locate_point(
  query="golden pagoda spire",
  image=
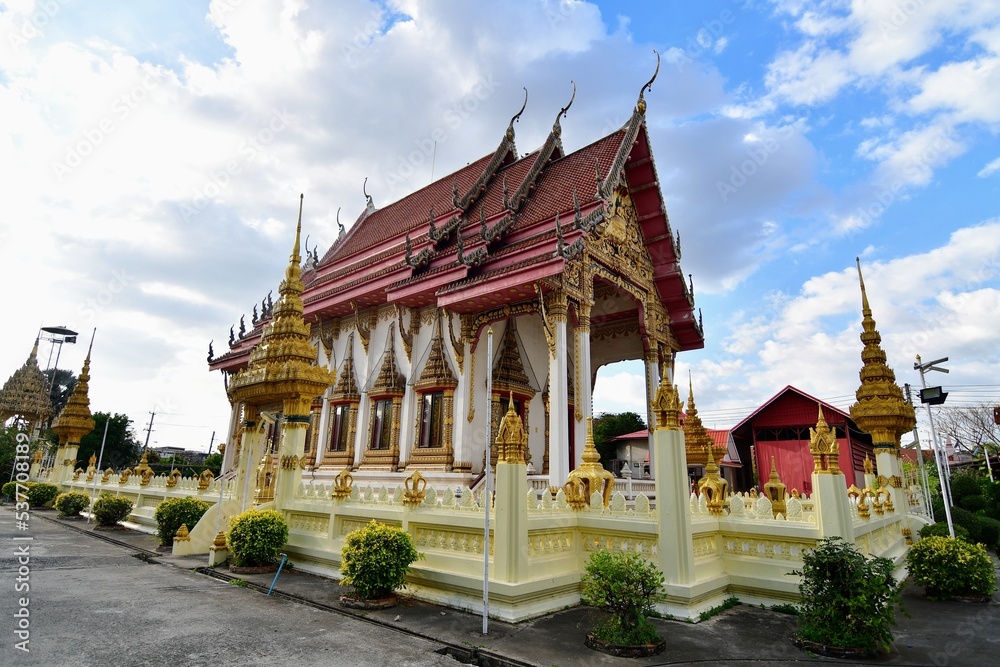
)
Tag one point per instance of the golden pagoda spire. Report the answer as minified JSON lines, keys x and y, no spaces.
{"x":26,"y":392}
{"x":75,"y":421}
{"x":697,"y":441}
{"x":282,"y":366}
{"x":880,"y":409}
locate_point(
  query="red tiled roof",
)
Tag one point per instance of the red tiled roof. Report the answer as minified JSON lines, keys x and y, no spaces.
{"x":409,"y":213}
{"x":370,"y":265}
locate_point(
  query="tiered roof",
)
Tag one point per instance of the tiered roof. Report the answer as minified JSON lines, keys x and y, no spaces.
{"x":25,"y":393}
{"x":485,"y":235}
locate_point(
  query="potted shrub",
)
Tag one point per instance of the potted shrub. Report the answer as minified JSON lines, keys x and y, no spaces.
{"x":255,"y":537}
{"x":110,"y":509}
{"x":375,"y":560}
{"x":848,"y":601}
{"x":41,"y":494}
{"x":172,"y":513}
{"x":624,"y":585}
{"x":70,"y":504}
{"x":950,"y":568}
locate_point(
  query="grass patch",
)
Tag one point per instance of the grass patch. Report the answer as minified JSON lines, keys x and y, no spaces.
{"x":728,"y":603}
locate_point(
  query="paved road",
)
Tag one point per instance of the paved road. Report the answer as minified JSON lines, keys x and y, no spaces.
{"x":92,"y":603}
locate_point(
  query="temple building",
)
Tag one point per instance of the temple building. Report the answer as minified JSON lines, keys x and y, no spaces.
{"x":563,"y":262}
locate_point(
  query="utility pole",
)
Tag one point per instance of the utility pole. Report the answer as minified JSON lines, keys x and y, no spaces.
{"x":210,"y":443}
{"x":149,"y":431}
{"x":926,"y":398}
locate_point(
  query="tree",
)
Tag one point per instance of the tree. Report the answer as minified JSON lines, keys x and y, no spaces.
{"x":8,"y":444}
{"x":213,"y":460}
{"x":61,"y":387}
{"x":121,"y":448}
{"x":970,"y":427}
{"x":608,"y":425}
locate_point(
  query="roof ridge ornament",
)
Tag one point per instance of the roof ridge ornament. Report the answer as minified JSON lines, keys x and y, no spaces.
{"x":370,"y":204}
{"x":342,"y":233}
{"x":516,"y":118}
{"x":641,"y":103}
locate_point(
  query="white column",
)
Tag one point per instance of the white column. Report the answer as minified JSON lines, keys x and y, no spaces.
{"x":652,"y":383}
{"x":559,"y":463}
{"x":673,"y":510}
{"x":462,"y":426}
{"x":584,"y":390}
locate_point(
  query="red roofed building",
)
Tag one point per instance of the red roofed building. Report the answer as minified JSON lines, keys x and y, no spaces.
{"x":780,"y":429}
{"x":567,"y":258}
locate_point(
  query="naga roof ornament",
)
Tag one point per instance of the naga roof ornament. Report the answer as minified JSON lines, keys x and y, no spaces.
{"x":606,"y":186}
{"x":552,"y":145}
{"x":506,"y":147}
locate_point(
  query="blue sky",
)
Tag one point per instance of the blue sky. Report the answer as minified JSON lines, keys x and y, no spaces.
{"x":153,"y":153}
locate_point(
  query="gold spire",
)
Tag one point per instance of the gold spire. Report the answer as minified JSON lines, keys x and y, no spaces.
{"x":697,"y":441}
{"x":26,"y":392}
{"x":824,"y":447}
{"x":75,"y":421}
{"x":591,"y":473}
{"x":880,"y":409}
{"x":281,"y":367}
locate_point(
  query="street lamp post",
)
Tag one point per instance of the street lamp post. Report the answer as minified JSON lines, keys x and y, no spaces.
{"x":928,"y":398}
{"x":56,"y":336}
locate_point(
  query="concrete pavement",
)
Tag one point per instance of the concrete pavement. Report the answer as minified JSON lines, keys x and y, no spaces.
{"x":85,"y":612}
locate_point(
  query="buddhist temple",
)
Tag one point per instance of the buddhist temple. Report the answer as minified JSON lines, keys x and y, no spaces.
{"x":569,"y":257}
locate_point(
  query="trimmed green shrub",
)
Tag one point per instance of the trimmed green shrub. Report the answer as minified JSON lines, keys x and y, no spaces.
{"x":376,"y":559}
{"x":9,"y":490}
{"x":940,"y":529}
{"x":948,"y":567}
{"x":41,"y":493}
{"x":969,"y":521}
{"x":110,"y":509}
{"x":256,"y":536}
{"x":170,"y":514}
{"x":72,"y":503}
{"x":975,"y":503}
{"x":624,"y":585}
{"x":848,"y":601}
{"x":963,"y":486}
{"x":989,"y":534}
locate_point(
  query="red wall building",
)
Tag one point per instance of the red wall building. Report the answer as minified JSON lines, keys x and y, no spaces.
{"x":780,"y":428}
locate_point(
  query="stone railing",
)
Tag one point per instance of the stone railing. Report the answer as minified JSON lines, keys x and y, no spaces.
{"x":146,"y":498}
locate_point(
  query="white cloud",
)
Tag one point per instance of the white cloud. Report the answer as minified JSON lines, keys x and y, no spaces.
{"x":989,"y":169}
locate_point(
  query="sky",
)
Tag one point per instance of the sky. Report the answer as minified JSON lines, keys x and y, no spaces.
{"x":152,"y":154}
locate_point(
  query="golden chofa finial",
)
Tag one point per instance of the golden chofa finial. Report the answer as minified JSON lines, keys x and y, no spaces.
{"x":641,"y":104}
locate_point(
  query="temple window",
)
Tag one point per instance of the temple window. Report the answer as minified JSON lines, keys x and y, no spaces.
{"x":431,"y":420}
{"x":339,"y":427}
{"x":381,"y":424}
{"x":433,"y":432}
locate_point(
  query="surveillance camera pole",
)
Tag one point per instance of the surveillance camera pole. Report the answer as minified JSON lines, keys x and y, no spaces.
{"x":938,"y":455}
